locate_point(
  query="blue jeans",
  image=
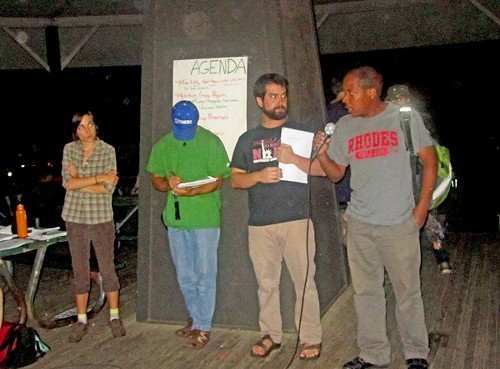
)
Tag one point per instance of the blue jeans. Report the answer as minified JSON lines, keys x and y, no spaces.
{"x":194,"y":253}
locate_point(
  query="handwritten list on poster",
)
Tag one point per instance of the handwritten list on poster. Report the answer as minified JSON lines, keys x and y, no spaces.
{"x":218,"y":87}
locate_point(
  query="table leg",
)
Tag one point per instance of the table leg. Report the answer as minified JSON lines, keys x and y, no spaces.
{"x":66,"y":317}
{"x":16,"y":292}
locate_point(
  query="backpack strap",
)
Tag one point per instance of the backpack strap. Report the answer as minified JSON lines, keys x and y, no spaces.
{"x":405,"y":120}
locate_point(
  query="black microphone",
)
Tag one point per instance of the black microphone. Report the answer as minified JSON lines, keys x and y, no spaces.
{"x":329,"y":129}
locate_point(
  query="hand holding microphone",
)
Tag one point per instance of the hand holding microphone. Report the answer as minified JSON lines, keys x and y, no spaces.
{"x":329,"y":129}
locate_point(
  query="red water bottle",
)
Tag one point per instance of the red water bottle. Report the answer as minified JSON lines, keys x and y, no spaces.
{"x":21,"y":222}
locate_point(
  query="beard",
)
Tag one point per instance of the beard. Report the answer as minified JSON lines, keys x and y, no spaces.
{"x":276,"y":115}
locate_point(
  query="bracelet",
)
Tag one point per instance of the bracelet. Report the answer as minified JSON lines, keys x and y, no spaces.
{"x":95,"y":177}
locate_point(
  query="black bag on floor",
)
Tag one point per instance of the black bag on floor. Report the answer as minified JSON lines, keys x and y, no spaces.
{"x":20,"y":345}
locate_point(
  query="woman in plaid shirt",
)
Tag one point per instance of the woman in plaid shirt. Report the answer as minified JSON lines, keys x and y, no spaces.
{"x":90,"y":177}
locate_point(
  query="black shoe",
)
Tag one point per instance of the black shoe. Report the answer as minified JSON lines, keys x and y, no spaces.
{"x":417,"y":364}
{"x":358,"y":363}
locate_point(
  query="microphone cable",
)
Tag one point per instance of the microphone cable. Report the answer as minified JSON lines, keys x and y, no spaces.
{"x":297,"y":342}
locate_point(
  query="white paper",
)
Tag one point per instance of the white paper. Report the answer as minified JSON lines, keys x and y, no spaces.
{"x":301,"y":143}
{"x":48,"y":236}
{"x":6,"y":233}
{"x":4,"y":236}
{"x":38,"y":231}
{"x":12,"y":244}
{"x":198,"y":183}
{"x":6,"y":230}
{"x":43,"y":234}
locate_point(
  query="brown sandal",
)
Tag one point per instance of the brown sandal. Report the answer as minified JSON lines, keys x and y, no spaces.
{"x":185,"y":331}
{"x":308,"y":347}
{"x":267,"y":349}
{"x":199,"y":339}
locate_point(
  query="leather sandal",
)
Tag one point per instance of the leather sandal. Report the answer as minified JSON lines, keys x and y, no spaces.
{"x":199,"y":339}
{"x":267,"y":348}
{"x":185,"y":331}
{"x":305,"y":347}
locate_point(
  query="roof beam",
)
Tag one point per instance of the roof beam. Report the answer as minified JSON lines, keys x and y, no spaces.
{"x":489,"y":14}
{"x":28,"y":49}
{"x":369,"y":5}
{"x":105,"y":20}
{"x":323,"y":11}
{"x":78,"y":47}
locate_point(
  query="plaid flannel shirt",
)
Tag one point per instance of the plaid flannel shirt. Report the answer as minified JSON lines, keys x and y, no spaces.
{"x":81,"y":206}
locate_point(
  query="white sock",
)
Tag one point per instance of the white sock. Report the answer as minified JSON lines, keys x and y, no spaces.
{"x":82,"y":318}
{"x":114,"y":314}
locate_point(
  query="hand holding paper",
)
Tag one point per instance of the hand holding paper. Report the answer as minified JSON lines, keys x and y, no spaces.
{"x":197,"y":183}
{"x":301,"y":144}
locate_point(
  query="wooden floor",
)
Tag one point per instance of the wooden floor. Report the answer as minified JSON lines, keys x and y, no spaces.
{"x":461,"y":308}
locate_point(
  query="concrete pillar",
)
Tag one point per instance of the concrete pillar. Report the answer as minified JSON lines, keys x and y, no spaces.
{"x":277,"y":36}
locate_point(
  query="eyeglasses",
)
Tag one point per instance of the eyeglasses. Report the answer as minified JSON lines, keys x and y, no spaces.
{"x":82,"y":126}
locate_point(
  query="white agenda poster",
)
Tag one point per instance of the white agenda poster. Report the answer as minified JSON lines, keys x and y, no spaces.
{"x":218,"y":88}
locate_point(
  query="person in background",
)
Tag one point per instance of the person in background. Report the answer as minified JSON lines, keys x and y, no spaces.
{"x":191,"y":214}
{"x":89,"y":176}
{"x":335,"y":110}
{"x":383,"y":221}
{"x":279,"y":227}
{"x":435,"y":226}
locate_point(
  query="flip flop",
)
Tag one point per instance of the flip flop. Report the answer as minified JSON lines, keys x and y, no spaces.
{"x":267,"y":349}
{"x":306,"y":347}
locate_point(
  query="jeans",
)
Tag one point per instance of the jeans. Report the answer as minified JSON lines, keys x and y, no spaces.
{"x":194,"y":253}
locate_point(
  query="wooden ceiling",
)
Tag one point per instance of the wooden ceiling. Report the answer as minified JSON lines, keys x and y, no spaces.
{"x":110,"y":31}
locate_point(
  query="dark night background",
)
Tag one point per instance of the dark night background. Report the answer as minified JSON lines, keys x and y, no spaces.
{"x":460,"y":86}
{"x":458,"y":82}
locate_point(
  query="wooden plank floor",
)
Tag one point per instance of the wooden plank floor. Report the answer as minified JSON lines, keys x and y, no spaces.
{"x":462,"y":317}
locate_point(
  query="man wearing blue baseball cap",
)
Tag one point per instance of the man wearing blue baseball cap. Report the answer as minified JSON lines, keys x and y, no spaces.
{"x":185,"y":117}
{"x":191,"y":213}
